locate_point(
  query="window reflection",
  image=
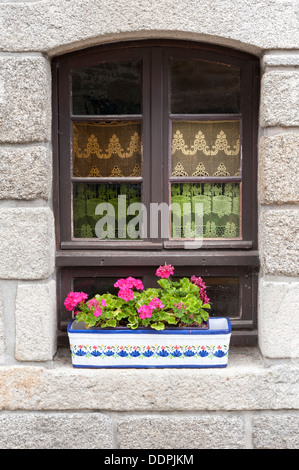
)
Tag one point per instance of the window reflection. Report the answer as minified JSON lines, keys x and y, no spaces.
{"x":199,"y":87}
{"x":109,"y":88}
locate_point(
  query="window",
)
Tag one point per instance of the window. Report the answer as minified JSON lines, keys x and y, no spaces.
{"x":160,"y":125}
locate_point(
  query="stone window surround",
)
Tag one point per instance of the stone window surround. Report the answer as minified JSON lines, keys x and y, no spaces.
{"x":36,"y":286}
{"x":27,"y":216}
{"x":261,"y":377}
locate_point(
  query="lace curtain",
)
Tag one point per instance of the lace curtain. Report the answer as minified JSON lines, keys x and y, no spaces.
{"x":205,"y":148}
{"x":198,"y":149}
{"x":109,"y":149}
{"x":86,"y":197}
{"x":221,"y":209}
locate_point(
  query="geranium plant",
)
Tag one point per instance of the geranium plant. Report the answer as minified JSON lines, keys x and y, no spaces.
{"x":182,"y":303}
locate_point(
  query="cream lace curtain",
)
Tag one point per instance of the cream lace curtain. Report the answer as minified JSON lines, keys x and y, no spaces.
{"x":205,"y":148}
{"x":110,"y":149}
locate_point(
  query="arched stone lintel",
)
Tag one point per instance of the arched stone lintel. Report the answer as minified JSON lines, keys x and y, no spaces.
{"x":155,"y":34}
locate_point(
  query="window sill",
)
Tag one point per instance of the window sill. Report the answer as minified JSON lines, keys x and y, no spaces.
{"x":152,"y":258}
{"x":215,"y":244}
{"x":247,"y":383}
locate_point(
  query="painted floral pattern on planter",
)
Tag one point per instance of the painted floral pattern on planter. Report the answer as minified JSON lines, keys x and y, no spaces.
{"x":157,"y":351}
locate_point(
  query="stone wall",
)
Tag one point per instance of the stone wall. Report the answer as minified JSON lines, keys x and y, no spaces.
{"x":251,"y":404}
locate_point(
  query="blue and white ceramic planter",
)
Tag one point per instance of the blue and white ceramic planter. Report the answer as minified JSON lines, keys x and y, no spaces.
{"x":145,"y":348}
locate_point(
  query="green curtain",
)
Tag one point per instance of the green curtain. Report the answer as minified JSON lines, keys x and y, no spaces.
{"x":221,"y":209}
{"x":86,"y":197}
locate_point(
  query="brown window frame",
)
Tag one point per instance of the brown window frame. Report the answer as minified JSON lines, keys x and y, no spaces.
{"x":76,"y":257}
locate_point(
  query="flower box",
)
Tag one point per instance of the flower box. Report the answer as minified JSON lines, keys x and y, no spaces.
{"x":148,"y":348}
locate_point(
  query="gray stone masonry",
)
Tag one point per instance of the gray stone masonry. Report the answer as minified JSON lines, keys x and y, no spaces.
{"x":278,"y":178}
{"x":188,"y":432}
{"x":276,"y":431}
{"x":280,"y":98}
{"x":170,"y":431}
{"x":278,"y":319}
{"x":55,"y":26}
{"x":35,"y":322}
{"x":248,"y":383}
{"x":278,"y":324}
{"x":2,"y":340}
{"x":26,"y":243}
{"x":279,"y":241}
{"x":25,"y":99}
{"x":55,"y":431}
{"x":25,"y":172}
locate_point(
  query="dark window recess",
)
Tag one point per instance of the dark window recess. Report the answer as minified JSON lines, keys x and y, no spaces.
{"x":93,"y":286}
{"x":202,"y":87}
{"x":108,"y":88}
{"x":158,"y":122}
{"x":231,"y":290}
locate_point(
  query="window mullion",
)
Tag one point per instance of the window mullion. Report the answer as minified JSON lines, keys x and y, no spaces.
{"x":156,"y":147}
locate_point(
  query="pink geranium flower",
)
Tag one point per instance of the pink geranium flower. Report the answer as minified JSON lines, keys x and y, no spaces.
{"x":121,"y":283}
{"x":202,"y":289}
{"x":126,"y":286}
{"x":138,"y":284}
{"x":104,"y":303}
{"x":73,"y":299}
{"x":145,"y":311}
{"x":165,"y":271}
{"x":129,"y":283}
{"x":126,"y":294}
{"x":156,"y":303}
{"x":93,"y":303}
{"x":179,"y":305}
{"x":98,"y":312}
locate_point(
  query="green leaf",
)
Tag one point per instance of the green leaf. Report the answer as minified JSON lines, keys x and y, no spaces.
{"x":133,"y":326}
{"x":151,"y":292}
{"x":158,"y":326}
{"x":168,"y":317}
{"x":204,"y":315}
{"x":197,"y":319}
{"x":164,"y":283}
{"x":193,"y":303}
{"x":171,"y":320}
{"x":121,"y":315}
{"x":110,"y":323}
{"x":186,"y":319}
{"x":188,"y":286}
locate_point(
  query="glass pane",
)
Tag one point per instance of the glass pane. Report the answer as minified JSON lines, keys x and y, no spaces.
{"x":116,"y":217}
{"x":223,"y":292}
{"x":205,"y":148}
{"x":107,"y":88}
{"x":220,"y":204}
{"x":199,"y":87}
{"x":224,"y":295}
{"x":93,"y":286}
{"x":107,"y":149}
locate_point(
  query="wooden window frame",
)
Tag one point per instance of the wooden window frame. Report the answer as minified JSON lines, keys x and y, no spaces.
{"x":224,"y":255}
